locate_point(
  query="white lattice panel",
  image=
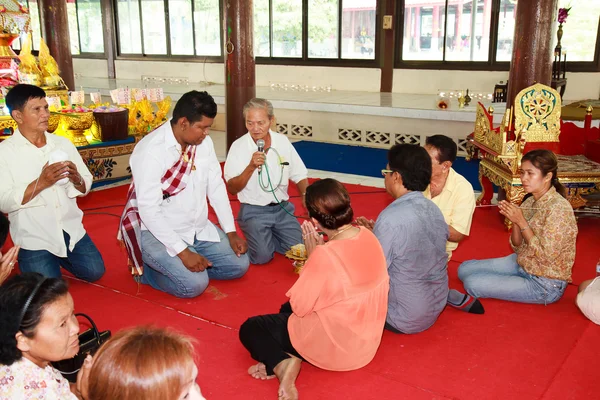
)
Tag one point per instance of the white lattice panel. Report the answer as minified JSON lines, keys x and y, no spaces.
{"x":462,"y":146}
{"x":284,"y":129}
{"x":350,"y":135}
{"x":378,"y":138}
{"x":402,"y":138}
{"x":301,"y":131}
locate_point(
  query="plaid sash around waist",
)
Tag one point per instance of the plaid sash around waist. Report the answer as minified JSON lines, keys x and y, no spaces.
{"x":174,"y":181}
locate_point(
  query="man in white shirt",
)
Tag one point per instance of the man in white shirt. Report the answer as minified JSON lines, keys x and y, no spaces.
{"x":39,"y":194}
{"x":181,"y":249}
{"x":260,"y":180}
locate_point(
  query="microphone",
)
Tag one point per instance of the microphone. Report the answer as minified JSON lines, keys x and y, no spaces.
{"x":261,"y":147}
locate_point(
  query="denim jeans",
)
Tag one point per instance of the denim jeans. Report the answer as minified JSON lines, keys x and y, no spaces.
{"x":269,"y":229}
{"x":85,"y":261}
{"x":504,"y":279}
{"x":168,"y":274}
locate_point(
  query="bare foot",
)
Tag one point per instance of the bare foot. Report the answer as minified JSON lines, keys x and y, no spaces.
{"x":287,"y":371}
{"x":259,"y":371}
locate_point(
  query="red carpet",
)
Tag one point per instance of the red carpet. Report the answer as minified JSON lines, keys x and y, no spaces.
{"x":514,"y":351}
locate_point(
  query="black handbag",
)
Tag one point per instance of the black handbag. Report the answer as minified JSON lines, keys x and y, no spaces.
{"x":89,"y":342}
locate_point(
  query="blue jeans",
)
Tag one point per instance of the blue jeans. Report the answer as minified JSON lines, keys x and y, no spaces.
{"x":85,"y":261}
{"x":168,"y":274}
{"x":502,"y":278}
{"x":269,"y":229}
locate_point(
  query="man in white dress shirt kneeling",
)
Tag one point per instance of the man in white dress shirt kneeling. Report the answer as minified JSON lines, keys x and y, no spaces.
{"x":258,"y":169}
{"x":41,"y":175}
{"x":165,"y":227}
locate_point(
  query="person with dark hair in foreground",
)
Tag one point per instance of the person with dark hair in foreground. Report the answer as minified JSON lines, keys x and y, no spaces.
{"x":165,"y":227}
{"x":37,"y":326}
{"x":336,"y":313}
{"x":41,"y":175}
{"x":8,"y":259}
{"x":413,"y":234}
{"x":144,"y":363}
{"x":543,"y":239}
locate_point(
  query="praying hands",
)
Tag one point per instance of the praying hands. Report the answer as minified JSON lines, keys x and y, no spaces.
{"x":311,"y":237}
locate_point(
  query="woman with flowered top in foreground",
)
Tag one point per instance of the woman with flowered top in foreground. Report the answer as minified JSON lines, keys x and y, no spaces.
{"x":543,"y":238}
{"x":37,"y":326}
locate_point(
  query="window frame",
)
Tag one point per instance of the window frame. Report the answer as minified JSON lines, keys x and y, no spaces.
{"x":169,"y":56}
{"x":304,"y":60}
{"x":492,"y":64}
{"x":85,"y":54}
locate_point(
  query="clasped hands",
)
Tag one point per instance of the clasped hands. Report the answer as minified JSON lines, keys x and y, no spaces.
{"x":52,"y":173}
{"x":513,"y":213}
{"x":311,"y":237}
{"x":7,"y":262}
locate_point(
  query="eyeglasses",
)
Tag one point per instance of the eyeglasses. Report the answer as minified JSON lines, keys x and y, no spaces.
{"x":386,"y":171}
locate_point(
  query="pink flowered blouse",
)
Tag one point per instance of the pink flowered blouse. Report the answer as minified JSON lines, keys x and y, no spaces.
{"x":551,"y":252}
{"x":24,"y":380}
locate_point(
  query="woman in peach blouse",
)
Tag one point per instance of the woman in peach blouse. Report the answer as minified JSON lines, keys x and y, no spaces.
{"x":543,"y":238}
{"x":336,"y":313}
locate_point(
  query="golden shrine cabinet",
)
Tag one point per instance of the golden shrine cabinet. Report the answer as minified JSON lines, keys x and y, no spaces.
{"x":537,"y":126}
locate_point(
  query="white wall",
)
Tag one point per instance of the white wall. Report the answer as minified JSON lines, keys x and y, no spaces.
{"x":431,"y":81}
{"x":579,"y":86}
{"x":90,"y":68}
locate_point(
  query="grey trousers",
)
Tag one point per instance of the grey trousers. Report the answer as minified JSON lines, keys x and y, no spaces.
{"x":269,"y":229}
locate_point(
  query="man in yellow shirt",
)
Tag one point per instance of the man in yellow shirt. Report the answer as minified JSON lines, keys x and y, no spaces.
{"x":450,"y":191}
{"x":454,"y":195}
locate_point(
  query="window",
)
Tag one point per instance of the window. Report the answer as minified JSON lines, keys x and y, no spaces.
{"x":85,"y":26}
{"x":441,"y":30}
{"x":580,"y":30}
{"x":332,"y":29}
{"x":506,"y":30}
{"x":169,"y":27}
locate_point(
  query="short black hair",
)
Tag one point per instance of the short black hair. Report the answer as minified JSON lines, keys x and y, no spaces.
{"x":446,"y":147}
{"x":413,"y":164}
{"x":4,"y":225}
{"x":18,"y":96}
{"x":328,"y":201}
{"x":13,"y":295}
{"x":194,"y":106}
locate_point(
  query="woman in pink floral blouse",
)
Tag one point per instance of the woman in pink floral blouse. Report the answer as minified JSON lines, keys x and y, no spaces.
{"x":543,"y":238}
{"x":37,"y":326}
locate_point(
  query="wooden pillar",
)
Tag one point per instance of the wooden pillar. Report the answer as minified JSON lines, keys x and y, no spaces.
{"x":532,"y":46}
{"x":110,"y":36}
{"x":240,"y":80}
{"x":388,"y":48}
{"x":55,"y":31}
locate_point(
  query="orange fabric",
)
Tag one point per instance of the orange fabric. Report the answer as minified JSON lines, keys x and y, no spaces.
{"x":340,"y":303}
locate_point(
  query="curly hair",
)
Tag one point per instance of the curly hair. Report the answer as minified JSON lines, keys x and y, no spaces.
{"x":413,"y":164}
{"x":142,"y":363}
{"x":13,"y":296}
{"x":328,"y":201}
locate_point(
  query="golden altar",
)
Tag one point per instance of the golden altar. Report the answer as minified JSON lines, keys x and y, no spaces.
{"x":537,"y":125}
